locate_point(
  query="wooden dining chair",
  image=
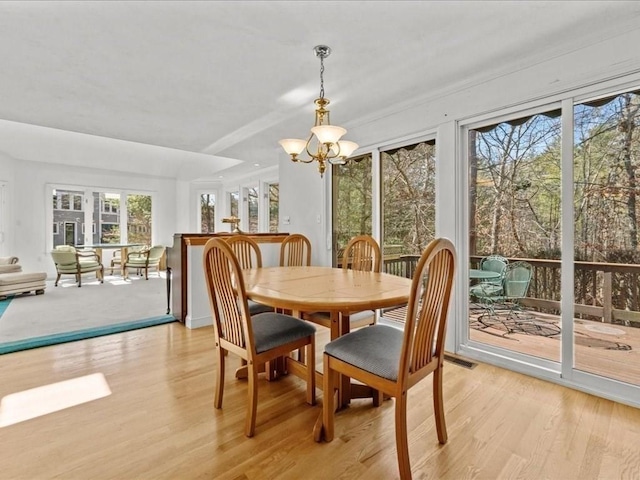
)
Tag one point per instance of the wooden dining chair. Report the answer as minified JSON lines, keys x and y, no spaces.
{"x":362,"y":253}
{"x":295,"y":251}
{"x":248,"y":253}
{"x":392,"y":361}
{"x":257,"y":339}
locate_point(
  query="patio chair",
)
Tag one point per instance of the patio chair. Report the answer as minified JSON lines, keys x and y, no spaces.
{"x":361,"y":253}
{"x":248,"y":253}
{"x":492,"y":286}
{"x":116,"y":260}
{"x":295,"y":251}
{"x":143,"y":260}
{"x":515,"y":285}
{"x":391,"y":360}
{"x":257,"y":339}
{"x":70,"y":261}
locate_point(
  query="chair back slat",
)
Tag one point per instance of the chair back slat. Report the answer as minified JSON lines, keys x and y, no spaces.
{"x":295,"y":251}
{"x":362,"y":253}
{"x":227,"y":294}
{"x":428,"y":308}
{"x":246,"y":250}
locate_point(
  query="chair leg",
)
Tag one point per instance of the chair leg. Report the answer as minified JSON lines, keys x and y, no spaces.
{"x":402,"y":444}
{"x":79,"y":279}
{"x":438,"y":405}
{"x":311,"y":371}
{"x":57,"y":280}
{"x":252,"y":404}
{"x":220,"y":386}
{"x":328,"y":407}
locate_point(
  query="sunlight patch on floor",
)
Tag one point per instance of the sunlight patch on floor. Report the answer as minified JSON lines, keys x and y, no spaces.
{"x":21,"y":406}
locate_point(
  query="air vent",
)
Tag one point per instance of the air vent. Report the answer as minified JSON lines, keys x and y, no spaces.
{"x":460,"y":361}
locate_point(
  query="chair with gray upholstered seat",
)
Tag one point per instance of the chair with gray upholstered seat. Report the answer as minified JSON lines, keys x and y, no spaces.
{"x":257,"y":339}
{"x":392,"y":361}
{"x":362,"y":253}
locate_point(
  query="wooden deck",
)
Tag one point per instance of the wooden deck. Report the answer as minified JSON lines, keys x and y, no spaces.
{"x":609,"y":350}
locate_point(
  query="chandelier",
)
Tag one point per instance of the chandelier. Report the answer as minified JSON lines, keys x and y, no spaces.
{"x":324,"y":144}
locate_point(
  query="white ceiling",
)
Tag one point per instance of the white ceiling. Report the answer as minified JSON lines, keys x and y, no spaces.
{"x":229,"y":79}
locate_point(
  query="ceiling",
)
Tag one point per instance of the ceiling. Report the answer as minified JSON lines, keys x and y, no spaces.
{"x":229,"y":79}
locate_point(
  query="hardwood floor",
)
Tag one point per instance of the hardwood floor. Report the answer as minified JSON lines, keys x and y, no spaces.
{"x":159,"y":422}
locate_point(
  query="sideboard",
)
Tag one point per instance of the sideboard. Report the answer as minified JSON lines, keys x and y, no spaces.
{"x":189,"y":298}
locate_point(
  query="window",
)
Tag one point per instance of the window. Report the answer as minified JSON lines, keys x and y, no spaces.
{"x":252,"y":208}
{"x":56,"y":226}
{"x":67,"y":200}
{"x":207,"y":213}
{"x":606,"y":158}
{"x":351,"y":203}
{"x":139,"y":219}
{"x":274,"y":205}
{"x":514,"y":213}
{"x":233,"y":203}
{"x":408,"y":204}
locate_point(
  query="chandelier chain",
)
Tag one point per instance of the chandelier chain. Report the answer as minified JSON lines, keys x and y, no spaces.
{"x":321,"y":76}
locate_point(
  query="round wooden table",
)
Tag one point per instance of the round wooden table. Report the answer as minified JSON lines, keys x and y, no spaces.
{"x":335,"y":290}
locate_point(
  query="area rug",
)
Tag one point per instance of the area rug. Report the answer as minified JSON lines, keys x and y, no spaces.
{"x":68,"y":313}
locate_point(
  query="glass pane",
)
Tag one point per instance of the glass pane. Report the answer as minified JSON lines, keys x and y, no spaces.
{"x":352,"y":208}
{"x":274,"y":206}
{"x":514,"y":235}
{"x":252,"y":205}
{"x":70,"y":237}
{"x":77,"y":202}
{"x":139,"y":219}
{"x":64,"y":201}
{"x":233,"y":203}
{"x":207,"y":212}
{"x":607,"y":267}
{"x":408,"y":205}
{"x":70,"y":219}
{"x":106,"y":208}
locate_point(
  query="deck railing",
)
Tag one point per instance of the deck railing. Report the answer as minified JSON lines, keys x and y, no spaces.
{"x":609,"y":292}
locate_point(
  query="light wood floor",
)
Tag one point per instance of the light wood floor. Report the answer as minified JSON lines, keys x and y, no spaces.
{"x":159,"y":422}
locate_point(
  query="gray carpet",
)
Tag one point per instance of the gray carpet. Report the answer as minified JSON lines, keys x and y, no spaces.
{"x":67,"y":308}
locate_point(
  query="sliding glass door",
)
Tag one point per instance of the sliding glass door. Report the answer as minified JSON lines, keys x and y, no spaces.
{"x":553,"y":245}
{"x":515,"y":235}
{"x":607,"y":267}
{"x":408,"y":204}
{"x":352,"y":204}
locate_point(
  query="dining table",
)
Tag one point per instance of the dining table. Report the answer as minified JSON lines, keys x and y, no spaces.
{"x":340,"y":292}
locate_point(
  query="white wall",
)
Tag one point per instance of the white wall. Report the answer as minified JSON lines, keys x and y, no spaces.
{"x":7,"y":170}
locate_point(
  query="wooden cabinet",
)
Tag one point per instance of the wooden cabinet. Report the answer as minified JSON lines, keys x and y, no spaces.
{"x":184,"y":258}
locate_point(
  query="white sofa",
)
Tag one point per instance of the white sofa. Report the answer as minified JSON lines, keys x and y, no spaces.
{"x":9,"y":265}
{"x":14,"y":281}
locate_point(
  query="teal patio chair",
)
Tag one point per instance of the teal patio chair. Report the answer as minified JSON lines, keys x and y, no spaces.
{"x":492,"y":286}
{"x":515,"y":285}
